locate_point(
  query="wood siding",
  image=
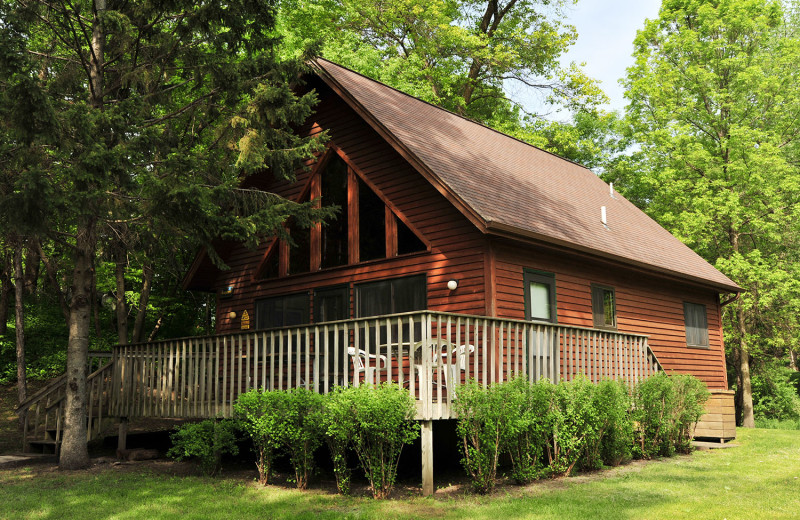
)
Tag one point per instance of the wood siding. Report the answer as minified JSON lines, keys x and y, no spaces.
{"x":457,"y":250}
{"x":645,"y":305}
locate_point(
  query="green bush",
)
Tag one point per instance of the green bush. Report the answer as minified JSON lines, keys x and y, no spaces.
{"x":691,"y":395}
{"x":482,"y":421}
{"x":613,"y":403}
{"x":774,"y":393}
{"x":339,"y":425}
{"x":384,"y":423}
{"x":207,"y":441}
{"x":528,"y":412}
{"x":575,"y":424}
{"x":665,"y":410}
{"x":261,"y":415}
{"x":302,"y":430}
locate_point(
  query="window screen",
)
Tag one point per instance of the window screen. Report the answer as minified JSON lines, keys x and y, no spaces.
{"x":282,"y":311}
{"x":694,"y":316}
{"x":391,"y":296}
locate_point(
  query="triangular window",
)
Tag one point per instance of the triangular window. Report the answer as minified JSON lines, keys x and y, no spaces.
{"x":366,"y":227}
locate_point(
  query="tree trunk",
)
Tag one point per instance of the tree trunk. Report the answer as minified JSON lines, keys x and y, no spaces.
{"x":74,"y":453}
{"x":5,"y":297}
{"x":19,"y":282}
{"x":122,"y":308}
{"x":32,"y":262}
{"x":141,"y":313}
{"x":748,"y":421}
{"x":792,"y":360}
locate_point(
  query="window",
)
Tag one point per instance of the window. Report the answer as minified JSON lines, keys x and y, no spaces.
{"x":331,"y":304}
{"x":371,"y":224}
{"x":391,"y":296}
{"x":604,"y":307}
{"x":282,"y":311}
{"x":540,"y":296}
{"x":334,"y":193}
{"x":694,"y":315}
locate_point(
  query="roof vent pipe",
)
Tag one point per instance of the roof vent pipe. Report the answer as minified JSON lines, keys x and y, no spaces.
{"x":611,"y":189}
{"x":603,"y":215}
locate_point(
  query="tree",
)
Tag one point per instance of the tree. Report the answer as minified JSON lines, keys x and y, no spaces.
{"x":715,"y":102}
{"x":148,"y":113}
{"x":458,"y":54}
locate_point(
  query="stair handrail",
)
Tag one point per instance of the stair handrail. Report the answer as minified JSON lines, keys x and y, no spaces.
{"x":55,"y":385}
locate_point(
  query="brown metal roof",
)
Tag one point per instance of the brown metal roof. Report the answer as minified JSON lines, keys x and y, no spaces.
{"x":509,"y":187}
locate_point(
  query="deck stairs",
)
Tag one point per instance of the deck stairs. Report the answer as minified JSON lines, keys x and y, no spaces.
{"x":43,"y":412}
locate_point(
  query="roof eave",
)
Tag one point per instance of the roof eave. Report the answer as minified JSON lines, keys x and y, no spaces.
{"x":508,"y":231}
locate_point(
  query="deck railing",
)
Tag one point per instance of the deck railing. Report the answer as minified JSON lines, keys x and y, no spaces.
{"x":430,"y":353}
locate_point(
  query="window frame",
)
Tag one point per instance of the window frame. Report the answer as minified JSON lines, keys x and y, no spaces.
{"x":542,"y":277}
{"x":601,"y":324}
{"x":260,"y":326}
{"x":357,"y":294}
{"x":343,"y":289}
{"x":686,"y":307}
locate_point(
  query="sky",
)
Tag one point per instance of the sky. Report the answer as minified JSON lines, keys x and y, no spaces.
{"x":606,"y":29}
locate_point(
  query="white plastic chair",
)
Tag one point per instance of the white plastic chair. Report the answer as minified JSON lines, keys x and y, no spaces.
{"x":453,"y":369}
{"x":373,"y":362}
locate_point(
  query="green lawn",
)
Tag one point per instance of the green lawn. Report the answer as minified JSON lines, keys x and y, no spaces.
{"x":757,"y":480}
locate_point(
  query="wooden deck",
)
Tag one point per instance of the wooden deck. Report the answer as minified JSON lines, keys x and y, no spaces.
{"x":429,"y":353}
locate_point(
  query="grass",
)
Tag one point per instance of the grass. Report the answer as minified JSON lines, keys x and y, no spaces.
{"x":778,"y":424}
{"x":758,"y":479}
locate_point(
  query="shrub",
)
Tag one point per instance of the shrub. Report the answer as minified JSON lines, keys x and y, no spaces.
{"x":207,"y":441}
{"x":261,"y":414}
{"x":613,"y":403}
{"x":482,"y":420}
{"x":666,"y":409}
{"x":339,"y":425}
{"x":690,"y":397}
{"x":575,"y":424}
{"x":524,"y":432}
{"x":301,"y":431}
{"x":384,"y":423}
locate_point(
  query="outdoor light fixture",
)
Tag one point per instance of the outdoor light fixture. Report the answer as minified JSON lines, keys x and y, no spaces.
{"x":452,"y":285}
{"x":232,"y":315}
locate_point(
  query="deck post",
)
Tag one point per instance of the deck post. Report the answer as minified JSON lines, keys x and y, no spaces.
{"x":427,"y":457}
{"x":122,"y":440}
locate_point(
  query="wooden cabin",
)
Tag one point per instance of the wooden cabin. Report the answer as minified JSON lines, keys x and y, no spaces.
{"x":459,"y":252}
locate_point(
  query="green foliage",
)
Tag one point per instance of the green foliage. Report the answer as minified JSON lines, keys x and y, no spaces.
{"x":666,"y":408}
{"x":576,"y":424}
{"x":613,"y":403}
{"x":383,"y":417}
{"x":774,"y":395}
{"x":777,"y":424}
{"x":301,"y":430}
{"x":339,"y":425}
{"x":261,"y":415}
{"x":207,"y":441}
{"x":458,"y":54}
{"x":526,"y":427}
{"x":714,"y":97}
{"x":482,"y":420}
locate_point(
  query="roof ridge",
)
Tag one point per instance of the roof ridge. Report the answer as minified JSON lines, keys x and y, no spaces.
{"x":478,"y":123}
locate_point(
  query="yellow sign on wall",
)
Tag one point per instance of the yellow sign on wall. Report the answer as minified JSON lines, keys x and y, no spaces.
{"x":245,"y":320}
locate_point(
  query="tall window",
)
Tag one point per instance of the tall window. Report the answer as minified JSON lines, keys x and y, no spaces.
{"x":604,"y":307}
{"x":391,"y":296}
{"x":334,"y":232}
{"x":282,"y":311}
{"x":694,"y":316}
{"x":540,"y":296}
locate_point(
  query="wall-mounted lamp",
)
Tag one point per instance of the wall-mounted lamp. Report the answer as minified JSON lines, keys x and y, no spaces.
{"x":452,"y":285}
{"x":232,"y":315}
